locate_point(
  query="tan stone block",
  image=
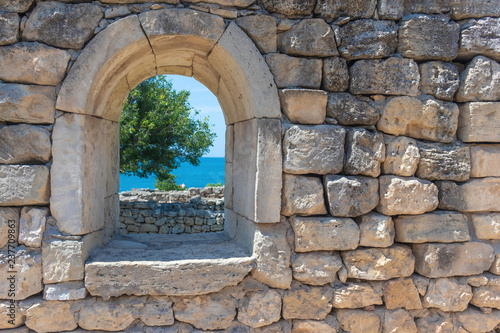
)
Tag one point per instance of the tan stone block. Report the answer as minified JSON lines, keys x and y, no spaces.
{"x":480,"y":81}
{"x":24,"y":185}
{"x":495,"y":266}
{"x":476,"y":321}
{"x":157,"y":311}
{"x":399,"y":321}
{"x":316,"y":268}
{"x":401,"y":293}
{"x":24,"y":144}
{"x":355,"y":295}
{"x":295,"y":72}
{"x":401,"y":156}
{"x":27,"y":103}
{"x":309,"y":37}
{"x":28,"y":277}
{"x":66,"y":291}
{"x":480,"y":37}
{"x":12,"y":316}
{"x":9,"y":220}
{"x":447,"y":295}
{"x":476,"y":195}
{"x":304,"y":106}
{"x":488,"y":295}
{"x":485,"y":160}
{"x":111,"y":315}
{"x":358,"y":321}
{"x":478,"y":122}
{"x":32,"y":226}
{"x":311,"y":326}
{"x":50,"y":316}
{"x":305,"y":302}
{"x":486,"y":225}
{"x":206,"y":312}
{"x":261,"y":29}
{"x":376,"y":230}
{"x":302,"y":196}
{"x":260,"y":308}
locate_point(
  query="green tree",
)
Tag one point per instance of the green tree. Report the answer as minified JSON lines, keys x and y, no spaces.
{"x":158,"y":132}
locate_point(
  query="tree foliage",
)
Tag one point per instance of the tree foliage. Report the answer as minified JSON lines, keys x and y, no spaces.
{"x":158,"y":132}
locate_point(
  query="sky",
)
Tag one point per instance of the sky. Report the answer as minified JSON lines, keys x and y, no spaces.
{"x":203,"y":100}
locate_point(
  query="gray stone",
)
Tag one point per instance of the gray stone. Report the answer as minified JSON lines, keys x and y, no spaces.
{"x":442,"y":227}
{"x":32,"y":226}
{"x":476,"y":195}
{"x":376,"y":230}
{"x":401,"y":156}
{"x":228,"y":3}
{"x":313,"y":149}
{"x":33,"y":63}
{"x":357,"y":9}
{"x":24,"y":144}
{"x":64,"y":291}
{"x":306,"y":302}
{"x":28,"y":276}
{"x":289,"y":7}
{"x":207,"y":312}
{"x":355,"y":295}
{"x":304,"y":106}
{"x":302,"y":196}
{"x":447,"y":295}
{"x":16,"y":6}
{"x":324,"y":234}
{"x":260,"y":308}
{"x":349,"y":110}
{"x":61,"y":25}
{"x":436,"y":260}
{"x":480,"y":37}
{"x":335,"y":74}
{"x":368,"y":39}
{"x":439,"y":79}
{"x":27,"y":103}
{"x":395,"y":9}
{"x":261,"y":29}
{"x":117,"y":11}
{"x":350,"y":196}
{"x":422,"y":118}
{"x":480,"y":81}
{"x":392,"y":76}
{"x":316,"y":268}
{"x":9,"y":220}
{"x":365,"y":151}
{"x":479,"y":122}
{"x":486,"y":225}
{"x":354,"y":320}
{"x":477,"y":321}
{"x":444,"y":161}
{"x":462,"y":9}
{"x":310,"y":37}
{"x":9,"y":28}
{"x":24,"y":185}
{"x":295,"y":72}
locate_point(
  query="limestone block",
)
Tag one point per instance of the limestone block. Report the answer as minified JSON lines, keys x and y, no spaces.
{"x":480,"y":37}
{"x":368,"y":39}
{"x":32,"y":226}
{"x":295,"y":72}
{"x":439,"y":79}
{"x":407,"y":195}
{"x":19,"y":6}
{"x":476,"y":321}
{"x":462,"y":9}
{"x":306,"y":302}
{"x":111,"y":315}
{"x":379,"y":263}
{"x":18,"y":317}
{"x":9,"y":220}
{"x":479,"y":122}
{"x":62,"y":25}
{"x":436,"y":260}
{"x":9,"y":28}
{"x":316,"y":268}
{"x":60,"y":314}
{"x":157,"y":311}
{"x":24,"y":185}
{"x":365,"y":151}
{"x":401,"y":293}
{"x":447,"y":295}
{"x":357,"y":9}
{"x":399,"y":321}
{"x":476,"y":195}
{"x":309,"y":37}
{"x":260,"y":308}
{"x":485,"y":159}
{"x":24,"y":143}
{"x":313,"y":149}
{"x":289,"y":7}
{"x":206,"y":312}
{"x":324,"y":234}
{"x":401,"y":156}
{"x":309,"y":326}
{"x":421,"y":118}
{"x":392,"y":76}
{"x":355,"y":295}
{"x":423,"y":37}
{"x":488,"y":295}
{"x":302,"y":196}
{"x":351,"y":320}
{"x":376,"y":230}
{"x":350,"y":196}
{"x":28,"y":276}
{"x":27,"y":103}
{"x":66,"y":291}
{"x":33,"y":63}
{"x":437,"y":321}
{"x":480,"y":81}
{"x":444,"y":161}
{"x":495,"y":266}
{"x":335,"y":74}
{"x":261,"y":29}
{"x":349,"y":110}
{"x":486,"y":225}
{"x":304,"y":106}
{"x":231,"y":3}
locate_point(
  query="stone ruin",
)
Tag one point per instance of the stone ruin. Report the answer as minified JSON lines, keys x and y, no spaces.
{"x":362,"y":166}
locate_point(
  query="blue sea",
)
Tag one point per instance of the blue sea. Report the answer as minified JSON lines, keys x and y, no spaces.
{"x":210,"y":170}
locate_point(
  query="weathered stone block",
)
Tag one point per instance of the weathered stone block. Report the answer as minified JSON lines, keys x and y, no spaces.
{"x":486,"y":225}
{"x":401,"y":293}
{"x":289,"y":7}
{"x":24,"y":185}
{"x":9,"y":220}
{"x":16,"y":6}
{"x":436,"y":260}
{"x":28,"y":104}
{"x":355,"y":295}
{"x":379,"y":263}
{"x":316,"y":268}
{"x":474,"y":320}
{"x":324,"y":234}
{"x":357,"y":9}
{"x":376,"y":230}
{"x":304,"y":106}
{"x":495,"y":266}
{"x":487,"y":296}
{"x":439,"y":79}
{"x":392,"y":76}
{"x":462,"y":9}
{"x":260,"y":308}
{"x":9,"y":28}
{"x":395,"y":9}
{"x":8,"y":324}
{"x":33,"y":63}
{"x":309,"y":37}
{"x":32,"y":226}
{"x":351,"y":320}
{"x":295,"y":72}
{"x":485,"y":160}
{"x":368,"y":39}
{"x":421,"y":118}
{"x":480,"y":37}
{"x":28,"y":276}
{"x":401,"y":156}
{"x":313,"y":149}
{"x":64,"y":291}
{"x":365,"y":151}
{"x":349,"y":110}
{"x":476,"y":195}
{"x":410,"y":195}
{"x":206,"y":312}
{"x":157,"y":311}
{"x":302,"y":196}
{"x":24,"y":144}
{"x":444,"y":162}
{"x":480,"y":81}
{"x":478,"y":122}
{"x":447,"y":295}
{"x":335,"y":74}
{"x":306,"y":302}
{"x":261,"y":29}
{"x":60,"y":314}
{"x":399,"y":320}
{"x":307,"y":326}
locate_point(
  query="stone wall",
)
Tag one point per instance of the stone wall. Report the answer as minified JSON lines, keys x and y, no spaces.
{"x":390,"y":150}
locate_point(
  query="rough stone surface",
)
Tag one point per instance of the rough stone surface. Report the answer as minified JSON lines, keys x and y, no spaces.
{"x":306,"y":302}
{"x":476,"y":195}
{"x":304,"y":106}
{"x":365,"y":151}
{"x":33,"y":63}
{"x":349,"y":110}
{"x":470,"y":8}
{"x":392,"y":76}
{"x":158,"y":311}
{"x":350,"y":196}
{"x":399,"y":321}
{"x":358,"y":321}
{"x":487,"y":296}
{"x":9,"y":220}
{"x":439,"y":79}
{"x":9,"y":28}
{"x":61,"y":25}
{"x":64,"y":291}
{"x":261,"y":29}
{"x":7,"y":323}
{"x":421,"y":118}
{"x":206,"y":312}
{"x":60,"y":314}
{"x":401,"y":156}
{"x":379,"y":263}
{"x":444,"y":162}
{"x":27,"y":103}
{"x":63,"y":260}
{"x":480,"y":37}
{"x":302,"y":195}
{"x":28,"y":279}
{"x":401,"y":293}
{"x":484,"y":160}
{"x":332,"y":9}
{"x":324,"y":234}
{"x":112,"y":315}
{"x":376,"y":230}
{"x":447,"y":295}
{"x":19,"y":6}
{"x":289,"y":7}
{"x":476,"y":321}
{"x":24,"y":185}
{"x":443,"y":260}
{"x":335,"y":74}
{"x":479,"y":122}
{"x":355,"y":295}
{"x":486,"y":225}
{"x":368,"y":39}
{"x":310,"y":37}
{"x":295,"y":72}
{"x":24,"y":144}
{"x":313,"y":149}
{"x":480,"y":81}
{"x":410,"y":195}
{"x":32,"y":226}
{"x":309,"y":326}
{"x":316,"y":268}
{"x":260,"y":308}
